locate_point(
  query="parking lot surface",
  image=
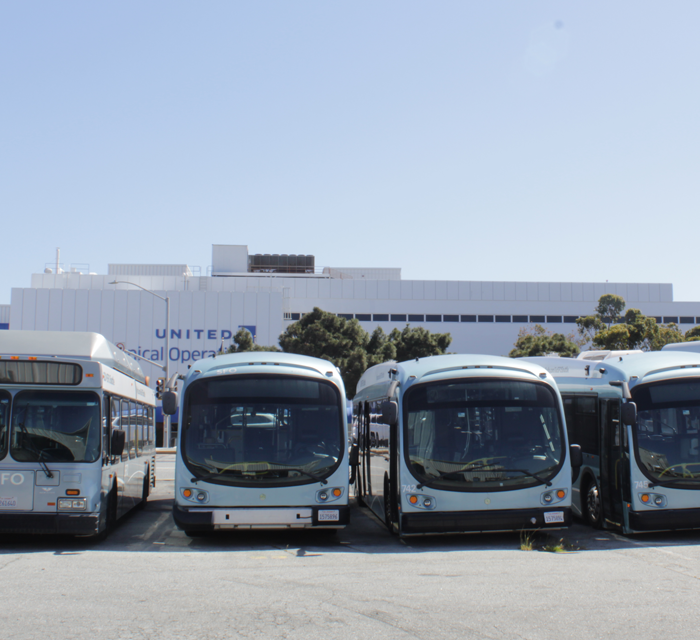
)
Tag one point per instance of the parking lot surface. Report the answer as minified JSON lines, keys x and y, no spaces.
{"x":149,"y":580}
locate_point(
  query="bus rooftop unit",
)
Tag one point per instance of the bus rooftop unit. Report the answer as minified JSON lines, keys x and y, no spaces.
{"x":262,"y":444}
{"x":77,"y":435}
{"x":461,"y":443}
{"x":637,"y":420}
{"x":691,"y":345}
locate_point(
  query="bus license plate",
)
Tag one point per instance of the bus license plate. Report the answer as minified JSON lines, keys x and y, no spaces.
{"x":329,"y":515}
{"x":554,"y":516}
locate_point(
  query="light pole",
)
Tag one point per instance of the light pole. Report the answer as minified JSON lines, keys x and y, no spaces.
{"x":166,"y":367}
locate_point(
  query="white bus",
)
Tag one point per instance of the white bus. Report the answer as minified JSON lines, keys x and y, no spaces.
{"x":77,"y":437}
{"x":461,"y":443}
{"x":637,"y":419}
{"x":262,"y":444}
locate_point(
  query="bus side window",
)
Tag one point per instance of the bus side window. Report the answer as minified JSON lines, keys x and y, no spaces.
{"x":115,"y":409}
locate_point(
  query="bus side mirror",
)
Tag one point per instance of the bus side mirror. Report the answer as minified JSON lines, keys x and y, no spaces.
{"x":169,"y":402}
{"x":354,"y":458}
{"x":390,"y":412}
{"x":629,"y":414}
{"x":576,"y":456}
{"x":118,"y":442}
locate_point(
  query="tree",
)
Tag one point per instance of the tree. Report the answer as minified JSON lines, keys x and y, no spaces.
{"x":693,"y":334}
{"x":343,"y":342}
{"x":417,"y":342}
{"x":349,"y":347}
{"x":243,"y":341}
{"x":608,"y":329}
{"x":537,"y":341}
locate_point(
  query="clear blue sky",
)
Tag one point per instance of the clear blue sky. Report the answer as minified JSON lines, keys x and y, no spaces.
{"x":459,"y":140}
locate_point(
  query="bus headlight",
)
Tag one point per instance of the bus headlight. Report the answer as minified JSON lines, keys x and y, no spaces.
{"x":329,"y":495}
{"x":422,"y":502}
{"x":72,"y":504}
{"x":653,"y":500}
{"x":553,"y":496}
{"x":198,"y":496}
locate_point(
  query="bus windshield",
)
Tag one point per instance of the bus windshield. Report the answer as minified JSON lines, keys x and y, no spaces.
{"x":55,"y":426}
{"x":668,"y":431}
{"x":483,"y":435}
{"x":262,"y":430}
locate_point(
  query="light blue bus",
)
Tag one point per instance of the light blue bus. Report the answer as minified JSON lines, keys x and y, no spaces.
{"x":637,"y":419}
{"x":263,"y":443}
{"x":462,"y":443}
{"x":77,"y":433}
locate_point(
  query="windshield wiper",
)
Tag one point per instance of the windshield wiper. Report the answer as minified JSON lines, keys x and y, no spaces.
{"x":463,"y":470}
{"x":662,"y":483}
{"x":218,"y":473}
{"x":34,"y":449}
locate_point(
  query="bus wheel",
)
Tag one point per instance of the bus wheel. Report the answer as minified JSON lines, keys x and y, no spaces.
{"x":594,"y":508}
{"x":145,"y":491}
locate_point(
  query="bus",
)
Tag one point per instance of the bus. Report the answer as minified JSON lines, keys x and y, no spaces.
{"x":637,"y":419}
{"x":77,"y":436}
{"x":462,"y":443}
{"x":263,"y":443}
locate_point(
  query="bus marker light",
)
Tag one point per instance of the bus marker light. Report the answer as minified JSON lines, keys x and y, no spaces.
{"x":73,"y":492}
{"x":561,"y":494}
{"x":413,"y":499}
{"x":337,"y":492}
{"x":645,"y":497}
{"x":187,"y":493}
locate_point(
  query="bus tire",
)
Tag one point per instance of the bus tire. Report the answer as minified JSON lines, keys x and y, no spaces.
{"x":110,"y":515}
{"x":593,"y":506}
{"x":145,"y":492}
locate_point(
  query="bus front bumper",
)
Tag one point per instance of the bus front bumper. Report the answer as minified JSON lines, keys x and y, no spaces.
{"x":83,"y":524}
{"x":476,"y":521}
{"x":210,"y":518}
{"x":664,"y":519}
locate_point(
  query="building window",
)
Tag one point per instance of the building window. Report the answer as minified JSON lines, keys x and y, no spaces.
{"x":450,"y":318}
{"x":485,"y":318}
{"x":687,"y":320}
{"x":433,"y":318}
{"x":570,"y":319}
{"x":347,"y":316}
{"x":364,"y":317}
{"x":657,"y":318}
{"x":536,"y":318}
{"x":502,"y":318}
{"x":412,"y":317}
{"x":671,"y":319}
{"x":553,"y":318}
{"x":398,"y":317}
{"x":519,"y":318}
{"x":381,"y":317}
{"x":468,"y":318}
{"x":296,"y":316}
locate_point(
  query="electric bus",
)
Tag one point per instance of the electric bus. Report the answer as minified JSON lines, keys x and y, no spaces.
{"x":637,"y":419}
{"x":462,"y":443}
{"x":77,"y":437}
{"x":263,"y":443}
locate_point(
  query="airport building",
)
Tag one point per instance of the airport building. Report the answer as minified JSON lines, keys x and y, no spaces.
{"x":265,"y":293}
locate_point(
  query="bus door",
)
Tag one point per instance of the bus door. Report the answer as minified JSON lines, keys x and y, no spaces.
{"x":613,"y":465}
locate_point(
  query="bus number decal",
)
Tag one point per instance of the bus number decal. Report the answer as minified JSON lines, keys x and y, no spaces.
{"x":408,"y":488}
{"x":641,"y":484}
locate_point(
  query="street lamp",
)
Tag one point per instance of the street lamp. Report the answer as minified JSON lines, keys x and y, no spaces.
{"x":166,"y":368}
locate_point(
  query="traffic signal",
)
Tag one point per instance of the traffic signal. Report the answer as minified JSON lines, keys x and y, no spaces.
{"x":160,"y":387}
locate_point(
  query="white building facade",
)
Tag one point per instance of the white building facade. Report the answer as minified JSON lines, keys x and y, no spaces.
{"x":266,"y":293}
